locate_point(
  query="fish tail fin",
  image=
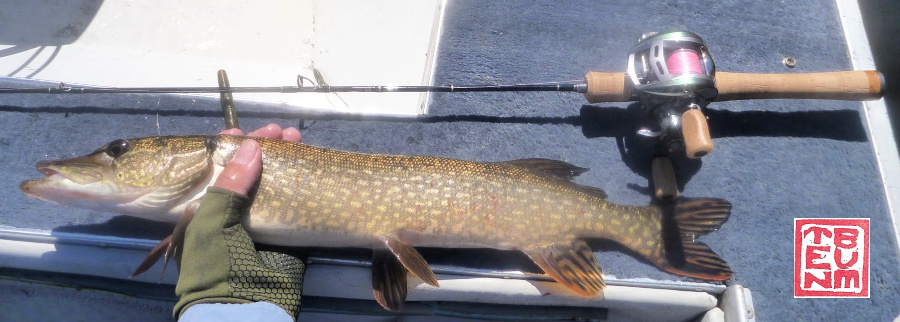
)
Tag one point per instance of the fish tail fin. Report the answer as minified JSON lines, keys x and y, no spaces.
{"x":682,"y":223}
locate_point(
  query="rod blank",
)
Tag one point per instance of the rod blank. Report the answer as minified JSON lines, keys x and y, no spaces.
{"x":554,"y":87}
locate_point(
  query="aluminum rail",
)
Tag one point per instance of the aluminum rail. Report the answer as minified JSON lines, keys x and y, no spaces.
{"x":109,"y":242}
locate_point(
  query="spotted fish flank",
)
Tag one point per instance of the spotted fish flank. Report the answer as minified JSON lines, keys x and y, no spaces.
{"x":311,"y":196}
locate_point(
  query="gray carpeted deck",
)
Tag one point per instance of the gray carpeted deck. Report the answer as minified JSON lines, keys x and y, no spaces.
{"x":775,"y":160}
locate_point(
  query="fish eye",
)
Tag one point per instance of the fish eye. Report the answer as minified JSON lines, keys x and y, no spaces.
{"x":117,"y":148}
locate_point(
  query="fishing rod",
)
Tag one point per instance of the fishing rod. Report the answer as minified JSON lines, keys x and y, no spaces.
{"x":301,"y":87}
{"x":672,"y":74}
{"x":679,"y":65}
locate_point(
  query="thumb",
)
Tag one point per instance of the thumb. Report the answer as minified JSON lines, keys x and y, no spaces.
{"x":243,"y":171}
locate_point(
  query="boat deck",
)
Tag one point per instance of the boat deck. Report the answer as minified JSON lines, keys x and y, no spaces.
{"x":775,"y":160}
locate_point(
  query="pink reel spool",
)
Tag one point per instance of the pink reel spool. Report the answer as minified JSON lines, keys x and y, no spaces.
{"x":684,"y":61}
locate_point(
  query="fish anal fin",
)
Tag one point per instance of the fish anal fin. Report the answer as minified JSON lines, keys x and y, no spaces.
{"x":553,"y":168}
{"x":572,"y":264}
{"x":388,"y":280}
{"x":411,"y":259}
{"x":685,"y":255}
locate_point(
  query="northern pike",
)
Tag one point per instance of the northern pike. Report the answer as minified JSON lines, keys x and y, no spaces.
{"x":317,"y":197}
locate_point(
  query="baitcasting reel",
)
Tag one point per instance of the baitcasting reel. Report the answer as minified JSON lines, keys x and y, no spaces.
{"x":673,"y":75}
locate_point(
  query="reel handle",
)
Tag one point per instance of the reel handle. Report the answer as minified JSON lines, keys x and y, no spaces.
{"x":695,"y":130}
{"x":846,"y":85}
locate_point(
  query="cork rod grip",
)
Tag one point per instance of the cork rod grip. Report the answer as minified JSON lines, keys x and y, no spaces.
{"x":848,"y":85}
{"x":607,"y":87}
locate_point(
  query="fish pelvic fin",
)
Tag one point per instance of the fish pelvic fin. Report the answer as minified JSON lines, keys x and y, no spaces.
{"x":685,"y":255}
{"x":572,"y":264}
{"x":411,"y":259}
{"x":388,"y":280}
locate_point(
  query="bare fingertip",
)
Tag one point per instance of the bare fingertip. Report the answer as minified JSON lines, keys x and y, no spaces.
{"x":271,"y":131}
{"x":232,"y":132}
{"x":247,"y":152}
{"x":243,"y":170}
{"x":291,"y":134}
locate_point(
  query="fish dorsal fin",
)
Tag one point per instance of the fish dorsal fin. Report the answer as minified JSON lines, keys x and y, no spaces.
{"x":558,"y":170}
{"x":596,"y":192}
{"x":572,"y":264}
{"x":547,"y":167}
{"x":411,"y":259}
{"x":388,"y":280}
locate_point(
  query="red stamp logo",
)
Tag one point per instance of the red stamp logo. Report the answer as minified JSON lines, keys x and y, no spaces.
{"x":831,"y":257}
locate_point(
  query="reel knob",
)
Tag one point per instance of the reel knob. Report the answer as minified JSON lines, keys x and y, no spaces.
{"x":695,"y":130}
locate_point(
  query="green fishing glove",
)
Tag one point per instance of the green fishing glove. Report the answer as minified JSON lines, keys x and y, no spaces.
{"x":219,"y":263}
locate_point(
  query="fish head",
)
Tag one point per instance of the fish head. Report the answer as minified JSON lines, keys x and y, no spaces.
{"x":144,"y":176}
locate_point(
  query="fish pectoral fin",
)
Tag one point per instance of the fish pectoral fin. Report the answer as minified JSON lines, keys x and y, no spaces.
{"x":178,"y":234}
{"x":152,"y":257}
{"x":411,"y":259}
{"x":572,"y":264}
{"x":170,"y":245}
{"x":388,"y":280}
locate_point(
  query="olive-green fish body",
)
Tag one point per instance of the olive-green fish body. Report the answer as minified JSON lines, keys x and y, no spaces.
{"x":311,"y":196}
{"x":443,"y":202}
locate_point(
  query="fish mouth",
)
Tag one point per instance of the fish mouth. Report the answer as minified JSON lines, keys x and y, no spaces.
{"x":48,"y":170}
{"x":79,"y":173}
{"x":36,"y":188}
{"x":60,"y":180}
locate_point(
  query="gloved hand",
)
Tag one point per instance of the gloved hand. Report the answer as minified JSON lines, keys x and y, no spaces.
{"x":218,"y":262}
